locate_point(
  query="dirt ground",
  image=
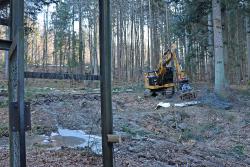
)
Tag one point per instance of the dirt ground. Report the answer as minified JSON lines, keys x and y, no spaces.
{"x":200,"y":135}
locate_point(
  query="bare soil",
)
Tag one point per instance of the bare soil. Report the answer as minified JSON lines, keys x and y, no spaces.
{"x":199,"y":135}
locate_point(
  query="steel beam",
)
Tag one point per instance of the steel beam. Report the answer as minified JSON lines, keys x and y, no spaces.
{"x":105,"y":72}
{"x":5,"y":44}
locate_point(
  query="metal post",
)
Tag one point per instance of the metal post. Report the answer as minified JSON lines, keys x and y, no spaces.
{"x":16,"y":84}
{"x":105,"y":74}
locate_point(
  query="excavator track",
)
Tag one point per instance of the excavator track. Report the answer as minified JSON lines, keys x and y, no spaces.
{"x":188,"y":95}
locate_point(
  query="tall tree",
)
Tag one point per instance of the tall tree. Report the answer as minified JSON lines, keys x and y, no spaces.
{"x":81,"y":46}
{"x":248,"y":42}
{"x":184,"y":22}
{"x":45,"y":44}
{"x":218,"y":47}
{"x":210,"y":49}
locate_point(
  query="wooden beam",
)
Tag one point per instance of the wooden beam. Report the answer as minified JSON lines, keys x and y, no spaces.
{"x":5,"y":44}
{"x":16,"y":84}
{"x":60,"y":76}
{"x":106,"y":88}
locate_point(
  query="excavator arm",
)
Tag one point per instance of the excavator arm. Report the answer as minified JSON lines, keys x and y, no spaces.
{"x":163,"y":63}
{"x":180,"y":73}
{"x":168,"y":56}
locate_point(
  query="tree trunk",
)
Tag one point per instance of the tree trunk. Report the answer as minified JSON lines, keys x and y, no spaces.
{"x":73,"y":60}
{"x":37,"y":50}
{"x":126,"y":51}
{"x":218,"y":47}
{"x":155,"y":43}
{"x":80,"y":39}
{"x":60,"y":56}
{"x":91,"y":48}
{"x":167,"y":35}
{"x":210,"y":49}
{"x":137,"y":52}
{"x":142,"y":36}
{"x":225,"y":44}
{"x":149,"y":35}
{"x":55,"y":53}
{"x":95,"y":59}
{"x":152,"y":45}
{"x":186,"y":42}
{"x":45,"y":45}
{"x":118,"y":51}
{"x":131,"y":59}
{"x":68,"y":51}
{"x":248,"y":44}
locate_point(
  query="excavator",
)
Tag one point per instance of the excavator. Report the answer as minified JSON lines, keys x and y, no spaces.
{"x":167,"y":77}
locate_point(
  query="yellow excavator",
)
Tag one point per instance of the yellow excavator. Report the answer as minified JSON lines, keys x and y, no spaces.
{"x":166,"y":77}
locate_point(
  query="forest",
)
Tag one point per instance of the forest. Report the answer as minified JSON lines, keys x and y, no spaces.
{"x":64,"y":34}
{"x":204,"y":122}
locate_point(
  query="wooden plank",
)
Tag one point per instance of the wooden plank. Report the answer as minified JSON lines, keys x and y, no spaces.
{"x":5,"y":44}
{"x":60,"y":76}
{"x":114,"y":138}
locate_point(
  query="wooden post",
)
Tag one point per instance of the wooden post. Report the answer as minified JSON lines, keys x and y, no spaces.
{"x":106,"y":95}
{"x":16,"y":84}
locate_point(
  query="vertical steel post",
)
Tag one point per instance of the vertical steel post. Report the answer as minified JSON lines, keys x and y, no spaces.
{"x":16,"y":84}
{"x":105,"y":74}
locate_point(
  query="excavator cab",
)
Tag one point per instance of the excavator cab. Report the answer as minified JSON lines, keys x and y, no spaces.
{"x":155,"y":84}
{"x":153,"y":79}
{"x":159,"y":81}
